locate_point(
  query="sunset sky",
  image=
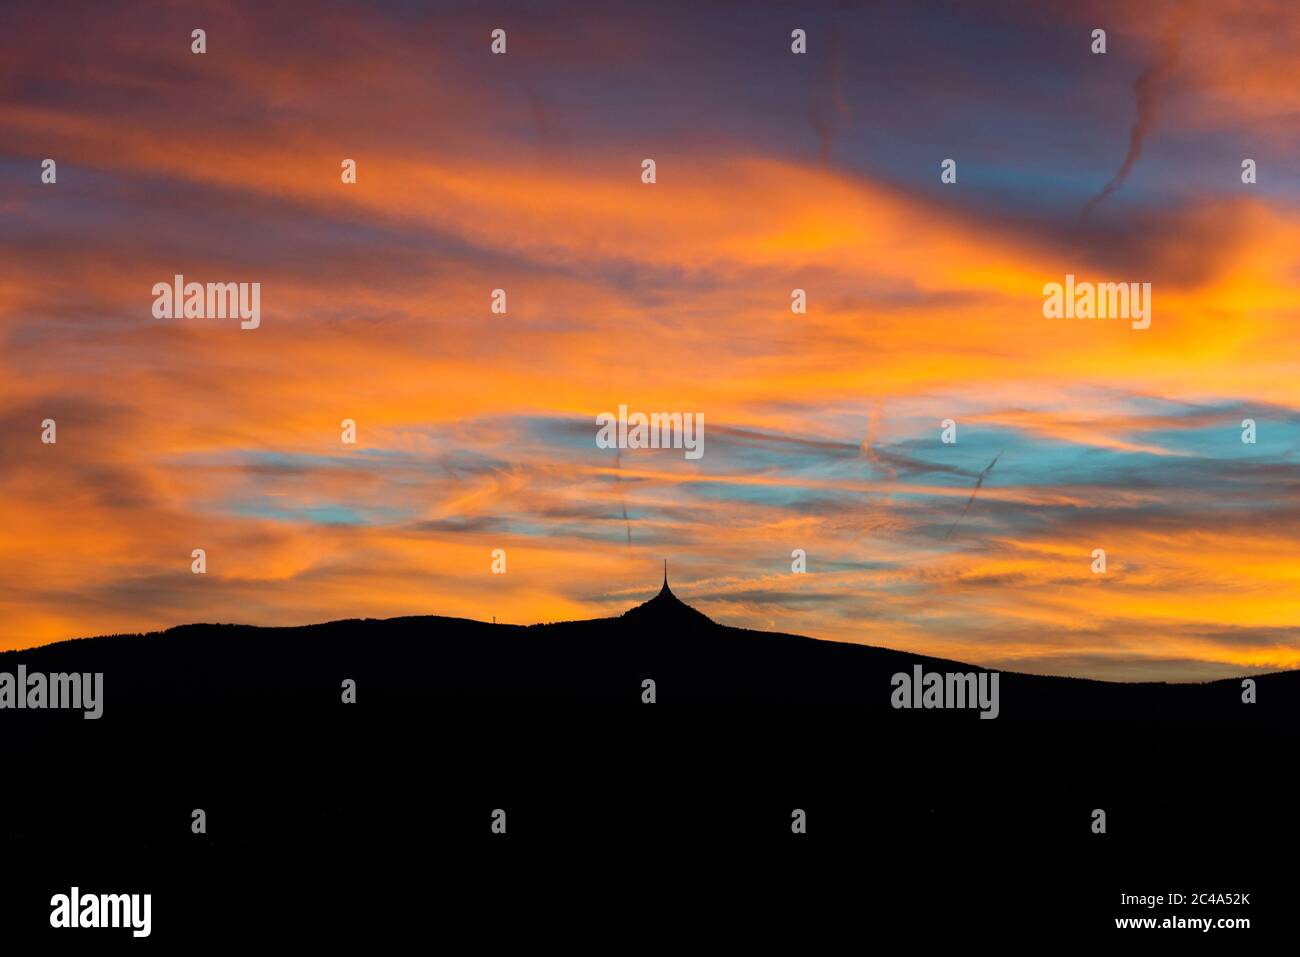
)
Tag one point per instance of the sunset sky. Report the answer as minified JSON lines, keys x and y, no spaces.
{"x":775,"y":171}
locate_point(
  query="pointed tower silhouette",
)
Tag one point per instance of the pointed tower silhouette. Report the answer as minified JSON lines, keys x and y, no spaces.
{"x":667,"y":606}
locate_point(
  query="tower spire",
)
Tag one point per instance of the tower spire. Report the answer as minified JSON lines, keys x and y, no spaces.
{"x":665,"y":573}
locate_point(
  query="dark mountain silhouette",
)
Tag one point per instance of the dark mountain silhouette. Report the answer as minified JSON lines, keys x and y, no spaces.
{"x":423,"y":661}
{"x":389,"y":799}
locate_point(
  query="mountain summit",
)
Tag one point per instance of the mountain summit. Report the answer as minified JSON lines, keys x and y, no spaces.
{"x":667,"y":607}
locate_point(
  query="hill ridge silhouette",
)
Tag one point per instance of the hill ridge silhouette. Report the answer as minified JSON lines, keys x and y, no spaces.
{"x":691,"y":658}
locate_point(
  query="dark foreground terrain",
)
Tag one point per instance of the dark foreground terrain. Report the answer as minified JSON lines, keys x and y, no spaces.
{"x":327,"y":820}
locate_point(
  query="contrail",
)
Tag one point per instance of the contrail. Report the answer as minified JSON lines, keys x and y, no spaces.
{"x":827,"y":109}
{"x":978,"y":482}
{"x":618,"y":464}
{"x":868,"y":447}
{"x":1146,"y":110}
